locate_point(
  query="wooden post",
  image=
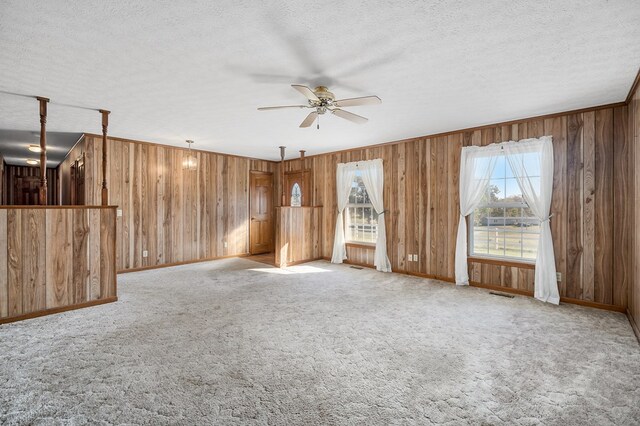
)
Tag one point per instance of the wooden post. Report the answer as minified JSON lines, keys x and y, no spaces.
{"x":105,"y":125}
{"x":303,"y":187}
{"x":283,"y":199}
{"x":42,"y":193}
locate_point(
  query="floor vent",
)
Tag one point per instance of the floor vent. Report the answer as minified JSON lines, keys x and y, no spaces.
{"x":355,"y":267}
{"x":495,"y":293}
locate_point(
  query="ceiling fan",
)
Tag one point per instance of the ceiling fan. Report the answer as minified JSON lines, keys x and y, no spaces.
{"x":322,"y":101}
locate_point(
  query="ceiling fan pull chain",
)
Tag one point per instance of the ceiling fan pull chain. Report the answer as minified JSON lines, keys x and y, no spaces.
{"x":318,"y":124}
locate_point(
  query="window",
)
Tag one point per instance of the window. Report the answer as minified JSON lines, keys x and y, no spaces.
{"x":361,"y":220}
{"x":503,"y":225}
{"x":296,"y":195}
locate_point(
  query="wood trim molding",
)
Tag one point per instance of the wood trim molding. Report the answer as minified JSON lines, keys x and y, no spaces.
{"x":508,"y":263}
{"x":186,"y":262}
{"x":633,"y":88}
{"x":58,"y":310}
{"x":361,"y":245}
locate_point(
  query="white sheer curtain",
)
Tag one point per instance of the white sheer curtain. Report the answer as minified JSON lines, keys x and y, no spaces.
{"x":476,"y":166}
{"x":373,"y":179}
{"x":532,"y":163}
{"x":345,"y":174}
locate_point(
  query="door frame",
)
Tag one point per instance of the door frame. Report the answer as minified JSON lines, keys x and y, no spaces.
{"x":273,"y":207}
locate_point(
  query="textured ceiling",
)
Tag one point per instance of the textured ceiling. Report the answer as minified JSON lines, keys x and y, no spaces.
{"x":172,"y":70}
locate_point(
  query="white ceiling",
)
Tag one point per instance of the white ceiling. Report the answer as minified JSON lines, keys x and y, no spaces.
{"x":171,"y":70}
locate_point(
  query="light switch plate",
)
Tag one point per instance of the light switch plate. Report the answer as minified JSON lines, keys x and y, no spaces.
{"x":119,"y":212}
{"x":558,"y":276}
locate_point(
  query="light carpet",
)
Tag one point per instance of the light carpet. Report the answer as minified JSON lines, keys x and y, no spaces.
{"x":237,"y":342}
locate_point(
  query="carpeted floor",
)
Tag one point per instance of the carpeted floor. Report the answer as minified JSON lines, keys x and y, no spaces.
{"x":235,"y":342}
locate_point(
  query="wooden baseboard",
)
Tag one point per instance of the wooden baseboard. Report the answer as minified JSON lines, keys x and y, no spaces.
{"x":186,"y":262}
{"x":58,"y":310}
{"x":634,"y":325}
{"x":519,"y":292}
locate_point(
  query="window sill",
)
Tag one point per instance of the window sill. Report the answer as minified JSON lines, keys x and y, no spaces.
{"x":502,"y":262}
{"x":371,"y":246}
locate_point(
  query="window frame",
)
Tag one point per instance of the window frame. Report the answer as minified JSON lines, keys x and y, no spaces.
{"x":500,"y":205}
{"x":345,"y":220}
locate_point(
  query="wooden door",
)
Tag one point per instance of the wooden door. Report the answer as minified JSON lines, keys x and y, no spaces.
{"x":77,"y":181}
{"x":261,"y":209}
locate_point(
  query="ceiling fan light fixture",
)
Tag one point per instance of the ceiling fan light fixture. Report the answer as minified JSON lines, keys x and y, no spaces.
{"x":34,"y":148}
{"x":322,"y":100}
{"x":190,"y":162}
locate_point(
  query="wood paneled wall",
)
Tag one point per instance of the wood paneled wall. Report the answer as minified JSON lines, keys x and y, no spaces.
{"x":590,"y":204}
{"x":298,"y":235}
{"x":175,"y":215}
{"x":13,"y":173}
{"x":634,"y":234}
{"x":55,"y":258}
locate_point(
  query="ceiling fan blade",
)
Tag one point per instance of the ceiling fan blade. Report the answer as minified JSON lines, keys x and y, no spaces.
{"x":308,"y":93}
{"x":365,"y":100}
{"x":280,"y":107}
{"x":349,"y":116}
{"x":309,"y":120}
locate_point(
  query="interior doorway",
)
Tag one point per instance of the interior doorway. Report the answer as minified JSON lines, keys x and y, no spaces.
{"x":261,"y":232}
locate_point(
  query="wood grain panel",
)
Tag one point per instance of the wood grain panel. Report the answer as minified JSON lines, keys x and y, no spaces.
{"x":603,"y":281}
{"x":59,"y":258}
{"x":14,"y":262}
{"x":33,"y":260}
{"x":574,"y":235}
{"x":81,"y":256}
{"x":588,"y":205}
{"x":107,"y":253}
{"x":621,"y":208}
{"x":53,"y":259}
{"x":4,"y":289}
{"x":93,"y":252}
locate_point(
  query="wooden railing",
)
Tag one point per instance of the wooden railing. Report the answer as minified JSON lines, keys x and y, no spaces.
{"x":55,"y":258}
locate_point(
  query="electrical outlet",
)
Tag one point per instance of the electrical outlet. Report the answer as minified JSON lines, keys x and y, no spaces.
{"x":145,"y":253}
{"x":225,"y":244}
{"x":558,"y":276}
{"x":415,"y":257}
{"x":119,"y":212}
